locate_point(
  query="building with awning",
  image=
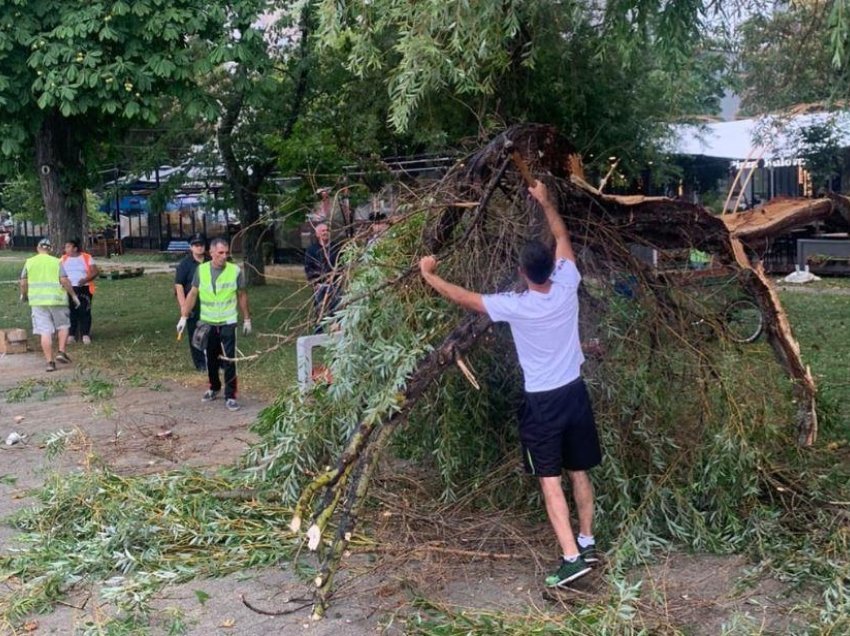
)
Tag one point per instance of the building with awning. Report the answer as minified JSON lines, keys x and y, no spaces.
{"x":743,"y":164}
{"x":762,"y":152}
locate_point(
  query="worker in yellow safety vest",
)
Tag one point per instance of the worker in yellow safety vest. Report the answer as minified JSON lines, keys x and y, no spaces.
{"x":45,"y":285}
{"x":220,"y":285}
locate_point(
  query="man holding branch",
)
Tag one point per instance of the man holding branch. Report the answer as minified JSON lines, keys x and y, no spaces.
{"x":557,"y":429}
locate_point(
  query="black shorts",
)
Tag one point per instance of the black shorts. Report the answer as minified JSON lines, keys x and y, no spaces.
{"x":557,"y":431}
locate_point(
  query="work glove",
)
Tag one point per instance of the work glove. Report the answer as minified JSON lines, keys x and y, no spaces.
{"x":181,"y":325}
{"x":246,"y":327}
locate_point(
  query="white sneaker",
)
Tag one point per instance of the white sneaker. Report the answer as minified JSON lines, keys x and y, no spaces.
{"x":86,"y":340}
{"x":71,"y":339}
{"x":232,"y":405}
{"x":209,"y":396}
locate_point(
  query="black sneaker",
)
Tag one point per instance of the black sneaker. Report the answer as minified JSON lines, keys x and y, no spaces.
{"x":589,"y":553}
{"x":209,"y":395}
{"x":232,"y":405}
{"x":63,"y":357}
{"x":51,"y":366}
{"x":569,"y":571}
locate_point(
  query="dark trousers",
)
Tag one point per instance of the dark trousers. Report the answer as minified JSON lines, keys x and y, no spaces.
{"x":325,"y":300}
{"x":199,"y":358}
{"x":222,"y":341}
{"x":81,"y":316}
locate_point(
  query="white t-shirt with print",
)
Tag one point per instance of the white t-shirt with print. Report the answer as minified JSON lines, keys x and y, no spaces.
{"x":544,"y":328}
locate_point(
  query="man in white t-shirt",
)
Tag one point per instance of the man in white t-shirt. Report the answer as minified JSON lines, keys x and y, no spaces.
{"x":557,"y":428}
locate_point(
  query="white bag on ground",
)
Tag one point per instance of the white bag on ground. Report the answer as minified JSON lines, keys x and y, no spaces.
{"x":800,"y":276}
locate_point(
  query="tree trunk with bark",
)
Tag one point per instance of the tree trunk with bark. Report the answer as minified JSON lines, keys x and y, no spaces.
{"x":245,"y":186}
{"x":59,"y":168}
{"x":246,"y":181}
{"x":253,"y":231}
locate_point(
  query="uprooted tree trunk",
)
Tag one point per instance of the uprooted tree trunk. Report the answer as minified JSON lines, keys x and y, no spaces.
{"x":604,"y":227}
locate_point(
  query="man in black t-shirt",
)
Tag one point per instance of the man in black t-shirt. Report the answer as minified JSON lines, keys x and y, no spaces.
{"x":183,"y":284}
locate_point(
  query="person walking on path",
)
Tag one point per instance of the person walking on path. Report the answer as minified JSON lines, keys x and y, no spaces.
{"x":557,"y":429}
{"x":183,"y":278}
{"x":320,"y":268}
{"x":45,"y":285}
{"x":220,"y":286}
{"x":81,"y":270}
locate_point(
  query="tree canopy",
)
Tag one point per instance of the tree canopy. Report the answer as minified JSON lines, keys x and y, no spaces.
{"x":73,"y":75}
{"x":793,"y":56}
{"x":610,"y":78}
{"x":400,"y":74}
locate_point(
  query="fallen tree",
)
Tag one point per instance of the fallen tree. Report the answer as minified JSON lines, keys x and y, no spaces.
{"x":696,"y":426}
{"x":477,"y":218}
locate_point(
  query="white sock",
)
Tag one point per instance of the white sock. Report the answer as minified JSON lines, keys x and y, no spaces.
{"x":584,"y":540}
{"x":570,"y":559}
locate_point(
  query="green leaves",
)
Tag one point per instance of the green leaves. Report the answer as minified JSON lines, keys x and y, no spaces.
{"x":612,"y":81}
{"x":154,"y":530}
{"x":131,"y":109}
{"x":424,"y":46}
{"x":838,"y":24}
{"x":796,"y":55}
{"x":110,"y":58}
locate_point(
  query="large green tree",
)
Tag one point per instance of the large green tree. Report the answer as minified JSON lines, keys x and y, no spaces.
{"x":795,"y":56}
{"x":261,"y":98}
{"x":291,"y":107}
{"x":74,"y":76}
{"x":613,"y":76}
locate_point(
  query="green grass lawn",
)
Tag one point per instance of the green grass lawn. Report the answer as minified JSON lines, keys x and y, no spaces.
{"x":10,"y":268}
{"x":134,"y":333}
{"x":821,"y":322}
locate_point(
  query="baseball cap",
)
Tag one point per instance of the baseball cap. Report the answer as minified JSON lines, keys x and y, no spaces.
{"x":197,"y":238}
{"x":45,"y":242}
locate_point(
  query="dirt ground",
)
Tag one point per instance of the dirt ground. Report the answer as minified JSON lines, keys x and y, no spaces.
{"x":142,"y":429}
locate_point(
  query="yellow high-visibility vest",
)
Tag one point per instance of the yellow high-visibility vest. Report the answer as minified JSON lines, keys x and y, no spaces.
{"x":218,"y":307}
{"x":43,"y":285}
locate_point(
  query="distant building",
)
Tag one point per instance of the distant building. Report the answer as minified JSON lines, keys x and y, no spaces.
{"x":737,"y":165}
{"x":756,"y":159}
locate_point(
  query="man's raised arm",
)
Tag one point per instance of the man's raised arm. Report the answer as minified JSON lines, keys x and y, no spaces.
{"x":563,"y":245}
